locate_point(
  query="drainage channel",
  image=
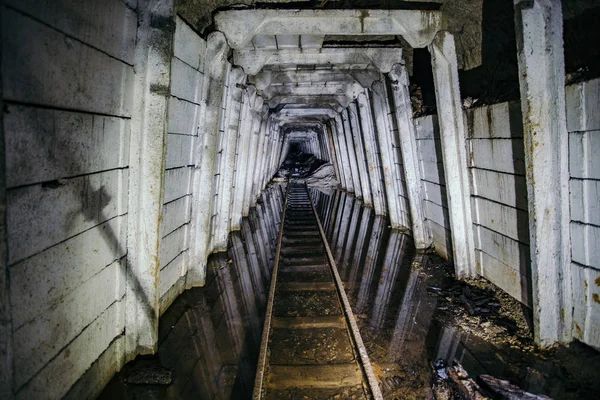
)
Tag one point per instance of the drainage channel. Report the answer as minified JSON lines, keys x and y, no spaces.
{"x":311,"y":347}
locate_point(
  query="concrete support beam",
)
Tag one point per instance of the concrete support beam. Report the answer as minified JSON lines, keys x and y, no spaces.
{"x":338,"y":131}
{"x":228,"y":149}
{"x":382,"y":59}
{"x":257,"y":122}
{"x":371,"y":153}
{"x":260,"y":154}
{"x":454,"y":152}
{"x":539,"y":29}
{"x":391,"y":171}
{"x":356,"y":179}
{"x":241,"y":161}
{"x":211,"y":101}
{"x":359,"y":149}
{"x":410,"y":158}
{"x":348,"y":89}
{"x":152,"y":63}
{"x":417,"y":27}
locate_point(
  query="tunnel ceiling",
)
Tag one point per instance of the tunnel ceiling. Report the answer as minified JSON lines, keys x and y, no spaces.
{"x":309,"y":65}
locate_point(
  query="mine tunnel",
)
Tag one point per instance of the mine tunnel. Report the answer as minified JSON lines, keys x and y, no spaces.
{"x":310,"y":199}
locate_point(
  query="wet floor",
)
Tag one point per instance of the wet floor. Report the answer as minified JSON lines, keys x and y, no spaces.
{"x":406,"y":304}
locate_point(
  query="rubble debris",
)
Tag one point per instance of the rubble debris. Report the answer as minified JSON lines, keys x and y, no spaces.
{"x":505,"y":390}
{"x":150,"y":375}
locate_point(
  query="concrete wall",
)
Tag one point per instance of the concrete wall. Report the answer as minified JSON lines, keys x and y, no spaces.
{"x":499,"y":197}
{"x":583,"y":124}
{"x":67,"y":79}
{"x":187,"y":77}
{"x":435,"y":203}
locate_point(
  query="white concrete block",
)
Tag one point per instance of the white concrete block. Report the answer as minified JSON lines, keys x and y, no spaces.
{"x":433,"y":172}
{"x":170,"y":273}
{"x":186,"y":82}
{"x":183,"y":117}
{"x":187,"y":44}
{"x":437,"y":214}
{"x":75,"y":359}
{"x":426,"y":127}
{"x":62,"y":144}
{"x":44,"y":279}
{"x":441,"y":239}
{"x":179,"y":151}
{"x":583,"y":155}
{"x":436,"y":194}
{"x":61,"y":72}
{"x":586,"y":304}
{"x":500,"y":187}
{"x":39,"y":217}
{"x":175,"y":214}
{"x":504,"y":249}
{"x":583,"y":103}
{"x":502,"y":155}
{"x":503,"y":120}
{"x":108,"y":25}
{"x":37,"y":342}
{"x":173,"y":244}
{"x":585,"y":244}
{"x":430,"y":150}
{"x":177,"y":183}
{"x":585,"y":204}
{"x":503,"y":276}
{"x":503,"y":219}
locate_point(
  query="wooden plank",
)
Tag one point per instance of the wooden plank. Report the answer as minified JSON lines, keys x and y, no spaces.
{"x":308,"y":322}
{"x":62,"y":143}
{"x":55,"y":70}
{"x":316,"y":376}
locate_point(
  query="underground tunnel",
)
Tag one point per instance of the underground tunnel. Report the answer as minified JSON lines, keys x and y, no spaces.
{"x":330,"y":199}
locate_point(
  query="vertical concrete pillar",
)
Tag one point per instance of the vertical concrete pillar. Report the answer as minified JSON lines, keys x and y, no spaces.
{"x":147,"y":156}
{"x":241,"y":161}
{"x":205,"y":152}
{"x":260,"y":153}
{"x":391,"y":171}
{"x":356,"y":178}
{"x":335,"y":149}
{"x":371,"y":152}
{"x":229,"y":146}
{"x":257,"y":122}
{"x":454,"y":152}
{"x":539,"y":30}
{"x":359,"y":149}
{"x":343,"y":151}
{"x":410,"y":158}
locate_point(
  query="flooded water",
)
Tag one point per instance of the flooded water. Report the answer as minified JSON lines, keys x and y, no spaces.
{"x":210,"y":337}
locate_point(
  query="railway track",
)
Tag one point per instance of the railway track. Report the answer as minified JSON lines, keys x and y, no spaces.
{"x":311,"y":347}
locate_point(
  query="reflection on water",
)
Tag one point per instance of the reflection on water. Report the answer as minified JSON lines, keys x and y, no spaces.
{"x":392,"y":290}
{"x":210,"y":337}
